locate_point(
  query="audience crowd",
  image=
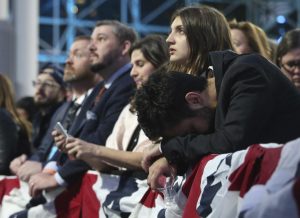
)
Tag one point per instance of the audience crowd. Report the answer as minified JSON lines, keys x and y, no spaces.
{"x":202,"y":116}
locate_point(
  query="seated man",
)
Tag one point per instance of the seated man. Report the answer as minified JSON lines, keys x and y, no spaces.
{"x":160,"y":111}
{"x":188,"y":116}
{"x":163,"y":113}
{"x":247,"y":112}
{"x":82,"y":82}
{"x":127,"y":135}
{"x":117,"y":153}
{"x":109,"y":58}
{"x":97,"y":121}
{"x":49,"y":95}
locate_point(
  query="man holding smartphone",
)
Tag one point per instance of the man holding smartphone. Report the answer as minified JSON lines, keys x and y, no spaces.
{"x":109,"y":57}
{"x":82,"y":82}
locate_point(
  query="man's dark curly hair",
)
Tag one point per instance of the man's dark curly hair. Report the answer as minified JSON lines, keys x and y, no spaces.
{"x":160,"y":102}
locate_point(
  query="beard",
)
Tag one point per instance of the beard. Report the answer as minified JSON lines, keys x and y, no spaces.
{"x":69,"y":74}
{"x":107,"y":61}
{"x":97,"y":67}
{"x":44,"y":104}
{"x":72,"y":76}
{"x":42,"y":101}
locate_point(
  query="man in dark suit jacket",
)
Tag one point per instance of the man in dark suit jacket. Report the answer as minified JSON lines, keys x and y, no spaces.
{"x":82,"y":82}
{"x":255,"y":104}
{"x":111,"y":41}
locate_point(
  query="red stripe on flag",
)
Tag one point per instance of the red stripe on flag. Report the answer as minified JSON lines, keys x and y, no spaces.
{"x":79,"y":199}
{"x":90,"y":202}
{"x":191,"y":188}
{"x":149,"y":197}
{"x":7,"y":184}
{"x":257,"y":168}
{"x":68,"y":203}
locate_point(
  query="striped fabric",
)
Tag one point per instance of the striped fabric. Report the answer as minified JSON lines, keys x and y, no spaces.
{"x":248,"y":183}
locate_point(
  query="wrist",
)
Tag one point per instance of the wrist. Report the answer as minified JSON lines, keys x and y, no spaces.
{"x":99,"y":151}
{"x":173,"y":169}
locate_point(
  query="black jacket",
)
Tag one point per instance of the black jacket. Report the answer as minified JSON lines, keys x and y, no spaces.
{"x":256,"y":104}
{"x":41,"y":123}
{"x":13,"y":141}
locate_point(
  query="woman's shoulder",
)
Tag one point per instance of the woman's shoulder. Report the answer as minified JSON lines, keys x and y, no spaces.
{"x":4,"y":113}
{"x":5,"y":117}
{"x":126,"y":111}
{"x":127,"y":116}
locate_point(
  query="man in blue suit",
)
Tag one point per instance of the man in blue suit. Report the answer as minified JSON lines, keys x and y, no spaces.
{"x":111,"y":41}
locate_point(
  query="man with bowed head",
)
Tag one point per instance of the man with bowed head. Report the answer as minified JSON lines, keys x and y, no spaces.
{"x":243,"y":90}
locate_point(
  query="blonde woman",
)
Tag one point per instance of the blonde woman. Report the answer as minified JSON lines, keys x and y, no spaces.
{"x":247,"y":38}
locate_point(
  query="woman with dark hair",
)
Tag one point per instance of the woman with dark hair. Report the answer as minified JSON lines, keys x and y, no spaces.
{"x":124,"y":147}
{"x":288,"y":56}
{"x":26,"y":107}
{"x":149,"y":53}
{"x":242,"y":89}
{"x":193,"y":36}
{"x":15,"y":131}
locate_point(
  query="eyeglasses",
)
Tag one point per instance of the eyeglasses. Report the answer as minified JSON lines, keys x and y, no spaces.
{"x":45,"y":84}
{"x":77,"y":55}
{"x":291,"y":66}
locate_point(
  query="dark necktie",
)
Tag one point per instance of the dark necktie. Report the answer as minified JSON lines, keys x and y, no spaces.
{"x":99,"y":95}
{"x":67,"y":122}
{"x":71,"y":114}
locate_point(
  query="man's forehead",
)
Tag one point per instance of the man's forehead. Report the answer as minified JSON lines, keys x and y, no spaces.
{"x":45,"y":75}
{"x":103,"y":30}
{"x":80,"y":45}
{"x":47,"y":71}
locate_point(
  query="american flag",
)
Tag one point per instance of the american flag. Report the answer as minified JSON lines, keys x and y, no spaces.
{"x":218,"y":186}
{"x":96,"y":195}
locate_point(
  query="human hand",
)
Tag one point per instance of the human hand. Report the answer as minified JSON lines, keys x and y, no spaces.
{"x":149,"y":156}
{"x":28,"y":169}
{"x":60,"y":140}
{"x":158,"y":172}
{"x":16,"y":163}
{"x":41,"y":181}
{"x":81,"y":149}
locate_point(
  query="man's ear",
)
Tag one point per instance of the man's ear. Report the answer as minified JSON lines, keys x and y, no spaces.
{"x":125,"y":47}
{"x":195,"y":100}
